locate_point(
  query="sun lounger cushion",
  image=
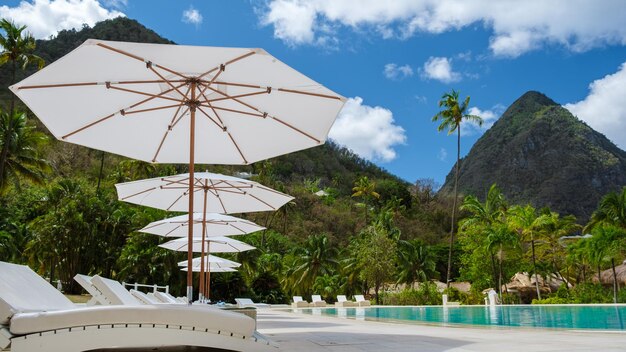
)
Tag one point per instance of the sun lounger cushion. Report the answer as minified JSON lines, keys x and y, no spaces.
{"x":361,"y":301}
{"x":22,"y":290}
{"x":189,"y":316}
{"x":114,"y":291}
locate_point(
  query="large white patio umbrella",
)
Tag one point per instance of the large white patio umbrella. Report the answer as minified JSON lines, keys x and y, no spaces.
{"x":180,"y":104}
{"x":211,"y":224}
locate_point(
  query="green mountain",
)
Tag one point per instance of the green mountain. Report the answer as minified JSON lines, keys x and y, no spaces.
{"x":539,"y":153}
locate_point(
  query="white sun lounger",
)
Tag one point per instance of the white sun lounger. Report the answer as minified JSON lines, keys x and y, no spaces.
{"x":342,"y":301}
{"x":35,"y":317}
{"x":316,"y":301}
{"x":298,"y":302}
{"x":361,"y":301}
{"x":247,"y":302}
{"x":144,"y":297}
{"x":96,"y":296}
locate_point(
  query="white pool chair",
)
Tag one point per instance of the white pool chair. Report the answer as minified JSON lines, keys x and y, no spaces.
{"x":342,"y":301}
{"x":247,"y":302}
{"x":361,"y":301}
{"x":96,"y":296}
{"x":298,"y":302}
{"x":316,"y":301}
{"x":145,"y":298}
{"x":35,"y":317}
{"x":114,"y":291}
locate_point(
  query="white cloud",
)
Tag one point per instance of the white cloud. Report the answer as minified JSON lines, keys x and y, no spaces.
{"x":489,"y":117}
{"x":443,"y":154}
{"x":440,"y":69}
{"x":368,"y":131}
{"x":395,"y":72}
{"x":119,"y":4}
{"x":44,"y":18}
{"x":192,"y":16}
{"x":604,"y":109}
{"x":516,"y":26}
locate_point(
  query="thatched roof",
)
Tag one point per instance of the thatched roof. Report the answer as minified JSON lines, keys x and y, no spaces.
{"x":523,"y":282}
{"x":607,"y":275}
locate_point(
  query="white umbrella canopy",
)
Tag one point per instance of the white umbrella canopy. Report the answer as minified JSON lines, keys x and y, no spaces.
{"x":214,"y":244}
{"x":224,"y":194}
{"x":135,"y":100}
{"x":214,"y":261}
{"x":213,"y":270}
{"x":214,"y":225}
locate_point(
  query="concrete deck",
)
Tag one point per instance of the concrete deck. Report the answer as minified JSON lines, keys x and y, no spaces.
{"x":300,"y":332}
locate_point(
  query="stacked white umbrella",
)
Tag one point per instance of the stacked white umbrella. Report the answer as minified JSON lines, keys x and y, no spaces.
{"x":209,"y":225}
{"x":142,"y":100}
{"x":214,"y":264}
{"x":217,"y":244}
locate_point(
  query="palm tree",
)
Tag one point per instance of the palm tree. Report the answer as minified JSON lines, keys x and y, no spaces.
{"x":316,"y":257}
{"x":22,"y":157}
{"x":453,"y":114}
{"x":17,"y":49}
{"x":415,"y":261}
{"x":551,"y":246}
{"x":608,"y":242}
{"x":528,"y":226}
{"x":366,"y":189}
{"x":484,"y":217}
{"x":611,"y":210}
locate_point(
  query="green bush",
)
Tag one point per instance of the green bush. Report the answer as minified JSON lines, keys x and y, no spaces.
{"x":426,"y":294}
{"x":591,"y":293}
{"x":552,"y":300}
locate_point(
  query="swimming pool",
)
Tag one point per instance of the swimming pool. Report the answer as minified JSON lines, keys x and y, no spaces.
{"x":602,"y":317}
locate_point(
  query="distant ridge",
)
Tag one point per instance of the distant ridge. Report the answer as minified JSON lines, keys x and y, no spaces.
{"x":539,"y":153}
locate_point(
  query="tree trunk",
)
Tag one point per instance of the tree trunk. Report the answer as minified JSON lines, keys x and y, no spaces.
{"x":456,"y":182}
{"x":100,"y":173}
{"x":532,"y":244}
{"x":615,"y":288}
{"x":6,"y":142}
{"x":495,"y":270}
{"x":376,"y":288}
{"x":500,"y":272}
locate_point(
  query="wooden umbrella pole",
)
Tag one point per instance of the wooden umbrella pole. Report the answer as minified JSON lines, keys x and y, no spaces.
{"x":202,"y":292}
{"x":192,"y":134}
{"x":208,"y":279}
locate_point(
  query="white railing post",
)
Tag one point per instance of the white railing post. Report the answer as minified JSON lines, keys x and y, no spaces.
{"x":167,"y":289}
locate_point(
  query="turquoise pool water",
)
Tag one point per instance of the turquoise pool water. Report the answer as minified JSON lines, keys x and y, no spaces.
{"x":561,"y":317}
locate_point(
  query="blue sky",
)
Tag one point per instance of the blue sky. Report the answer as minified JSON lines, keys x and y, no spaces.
{"x":393,"y":60}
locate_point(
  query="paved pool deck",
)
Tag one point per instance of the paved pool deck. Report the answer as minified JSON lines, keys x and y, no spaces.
{"x":303,"y":332}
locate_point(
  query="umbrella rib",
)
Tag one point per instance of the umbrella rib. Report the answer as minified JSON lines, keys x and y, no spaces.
{"x":222,"y":66}
{"x":223,"y":128}
{"x":166,"y":81}
{"x":235,"y":111}
{"x":173,"y":123}
{"x":152,"y":109}
{"x":133,"y":56}
{"x":269,"y":89}
{"x":309,"y":93}
{"x":238,"y":229}
{"x":218,"y":196}
{"x":160,"y":96}
{"x":138,"y":193}
{"x":234,"y":97}
{"x":111,"y":115}
{"x":262,"y":201}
